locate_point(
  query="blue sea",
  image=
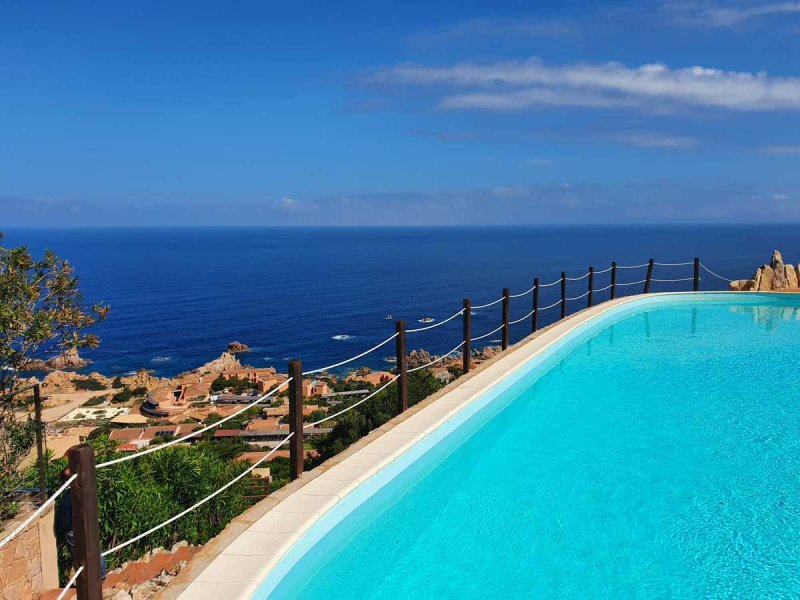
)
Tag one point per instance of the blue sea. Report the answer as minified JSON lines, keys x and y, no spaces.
{"x":180,"y":295}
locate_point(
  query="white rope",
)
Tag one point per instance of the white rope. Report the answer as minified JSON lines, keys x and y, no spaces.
{"x":673,"y":280}
{"x":715,"y":274}
{"x":551,"y":305}
{"x":488,"y":304}
{"x":604,"y":288}
{"x":70,"y":583}
{"x":584,"y":276}
{"x":485,"y":335}
{"x":632,"y":283}
{"x":191,"y":434}
{"x":583,"y":295}
{"x":603,"y":271}
{"x":438,"y":359}
{"x":352,"y":406}
{"x":557,"y":281}
{"x":633,"y":266}
{"x":680,"y":264}
{"x":200,"y":503}
{"x":520,"y":320}
{"x":19,"y":528}
{"x":439,"y":324}
{"x":351,"y":359}
{"x":520,"y":295}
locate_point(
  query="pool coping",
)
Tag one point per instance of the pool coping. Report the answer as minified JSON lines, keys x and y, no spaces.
{"x":236,"y":561}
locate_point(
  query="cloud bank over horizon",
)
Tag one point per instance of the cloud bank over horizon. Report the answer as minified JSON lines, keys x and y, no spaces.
{"x":534,"y":204}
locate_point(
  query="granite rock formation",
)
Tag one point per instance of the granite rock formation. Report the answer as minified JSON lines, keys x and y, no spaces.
{"x":68,"y":360}
{"x":774,"y":276}
{"x":236,"y":347}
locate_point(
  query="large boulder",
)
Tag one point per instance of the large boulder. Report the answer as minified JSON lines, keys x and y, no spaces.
{"x":236,"y":347}
{"x":778,"y":270}
{"x":791,"y":277}
{"x":767,"y":276}
{"x":742,"y":285}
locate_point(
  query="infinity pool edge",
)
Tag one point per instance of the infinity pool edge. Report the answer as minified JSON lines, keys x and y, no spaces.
{"x":255,"y":551}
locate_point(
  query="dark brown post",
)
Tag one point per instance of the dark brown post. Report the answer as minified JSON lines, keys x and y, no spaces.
{"x":296,"y":451}
{"x":613,"y":280}
{"x":535,"y":315}
{"x":402,"y":368}
{"x":563,"y":294}
{"x":696,"y":274}
{"x":506,"y":300}
{"x":591,"y":286}
{"x":41,"y":463}
{"x":466,"y":349}
{"x":85,"y":525}
{"x":649,"y":276}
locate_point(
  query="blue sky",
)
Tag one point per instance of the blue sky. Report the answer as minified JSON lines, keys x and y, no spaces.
{"x":266,"y":113}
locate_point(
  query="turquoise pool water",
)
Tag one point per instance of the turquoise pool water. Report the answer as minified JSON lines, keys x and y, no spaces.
{"x":656,"y":455}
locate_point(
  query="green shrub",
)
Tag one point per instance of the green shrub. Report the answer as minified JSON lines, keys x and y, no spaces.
{"x":138,"y":494}
{"x":94,"y":401}
{"x":88,"y":384}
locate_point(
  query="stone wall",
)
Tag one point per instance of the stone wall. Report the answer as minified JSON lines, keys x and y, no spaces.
{"x":28,"y":563}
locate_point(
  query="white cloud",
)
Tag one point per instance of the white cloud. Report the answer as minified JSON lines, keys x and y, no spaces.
{"x":531,"y":83}
{"x":705,"y":14}
{"x":780,"y":197}
{"x":780,"y":150}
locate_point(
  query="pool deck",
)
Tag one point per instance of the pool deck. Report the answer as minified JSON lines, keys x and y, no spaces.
{"x":232,"y":565}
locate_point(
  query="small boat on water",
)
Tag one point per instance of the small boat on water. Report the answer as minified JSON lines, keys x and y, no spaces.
{"x":426,"y":320}
{"x":388,"y":317}
{"x":390,"y":359}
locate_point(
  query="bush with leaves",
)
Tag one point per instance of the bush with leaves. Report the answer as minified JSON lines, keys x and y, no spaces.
{"x":136,"y":495}
{"x":41,"y":313}
{"x":355,"y":424}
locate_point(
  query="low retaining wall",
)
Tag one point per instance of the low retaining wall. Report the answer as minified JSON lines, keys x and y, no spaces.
{"x":28,"y":563}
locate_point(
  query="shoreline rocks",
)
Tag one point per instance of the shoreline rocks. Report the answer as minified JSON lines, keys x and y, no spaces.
{"x":775,"y":276}
{"x":67,"y":360}
{"x":237,"y":347}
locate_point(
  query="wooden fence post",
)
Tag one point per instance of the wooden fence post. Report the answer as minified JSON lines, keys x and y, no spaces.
{"x":696,"y":274}
{"x":466,"y":349}
{"x":506,"y":301}
{"x":85,"y":525}
{"x":563,"y":294}
{"x":402,"y":368}
{"x":591,"y":286}
{"x":613,"y":280}
{"x":649,"y":276}
{"x":296,"y":451}
{"x":41,"y":463}
{"x":535,"y":315}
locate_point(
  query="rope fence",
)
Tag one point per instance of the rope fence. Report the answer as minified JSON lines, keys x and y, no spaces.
{"x":172,"y":519}
{"x":298,"y":429}
{"x":717,"y":275}
{"x":434,"y":326}
{"x":35,"y":514}
{"x":70,"y":583}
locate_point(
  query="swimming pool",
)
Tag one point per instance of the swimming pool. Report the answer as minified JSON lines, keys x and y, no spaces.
{"x":651,"y":452}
